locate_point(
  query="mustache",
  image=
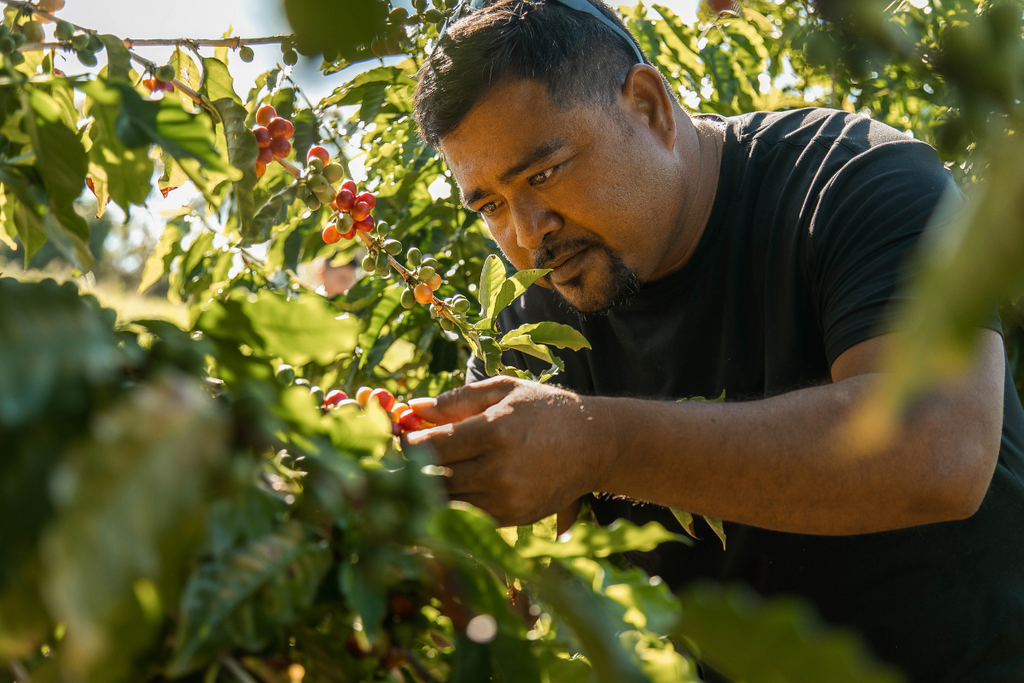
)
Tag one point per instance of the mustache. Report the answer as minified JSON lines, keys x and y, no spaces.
{"x":549,"y":254}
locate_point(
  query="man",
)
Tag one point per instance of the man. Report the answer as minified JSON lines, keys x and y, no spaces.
{"x":759,"y":256}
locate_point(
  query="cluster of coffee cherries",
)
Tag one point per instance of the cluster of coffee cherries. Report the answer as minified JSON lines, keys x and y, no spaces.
{"x":352,"y":209}
{"x":272,"y":134}
{"x":162,"y":80}
{"x":403,"y":418}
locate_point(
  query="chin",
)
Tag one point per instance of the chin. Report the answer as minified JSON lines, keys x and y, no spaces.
{"x":595,"y":293}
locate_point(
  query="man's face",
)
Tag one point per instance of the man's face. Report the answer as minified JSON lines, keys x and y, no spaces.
{"x":562,"y":189}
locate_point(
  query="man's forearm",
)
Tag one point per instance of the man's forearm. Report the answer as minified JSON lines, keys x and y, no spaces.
{"x":788,"y":462}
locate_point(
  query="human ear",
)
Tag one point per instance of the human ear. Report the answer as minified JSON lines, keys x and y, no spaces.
{"x":647,"y":103}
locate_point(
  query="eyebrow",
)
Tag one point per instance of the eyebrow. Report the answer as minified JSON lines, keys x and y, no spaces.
{"x":534,"y":156}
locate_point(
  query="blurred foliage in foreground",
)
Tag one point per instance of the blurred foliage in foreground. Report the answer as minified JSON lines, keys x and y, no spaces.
{"x":175,"y":503}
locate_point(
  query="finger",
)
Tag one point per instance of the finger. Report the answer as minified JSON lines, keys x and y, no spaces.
{"x":455,"y":442}
{"x":567,"y":517}
{"x":465,"y":478}
{"x":459,"y":404}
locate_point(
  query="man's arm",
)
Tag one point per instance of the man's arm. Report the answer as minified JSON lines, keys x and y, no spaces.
{"x":522,"y":451}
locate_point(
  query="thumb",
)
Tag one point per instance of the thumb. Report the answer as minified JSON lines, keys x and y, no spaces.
{"x":464,"y":402}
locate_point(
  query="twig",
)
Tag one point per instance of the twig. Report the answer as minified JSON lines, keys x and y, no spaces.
{"x":130,"y":43}
{"x":236,"y":669}
{"x":20,"y":673}
{"x":417,"y":666}
{"x":196,"y":97}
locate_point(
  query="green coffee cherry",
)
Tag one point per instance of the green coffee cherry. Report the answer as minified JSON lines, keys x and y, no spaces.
{"x":408,"y":300}
{"x":398,"y":15}
{"x":80,"y":42}
{"x":433,"y":16}
{"x":87,"y":57}
{"x":303,"y":382}
{"x":285,"y":374}
{"x":433,"y":313}
{"x":368,"y":264}
{"x":461,"y":306}
{"x":4,"y":31}
{"x":327,"y":194}
{"x":446,"y":324}
{"x":19,"y":39}
{"x":333,"y":172}
{"x":393,"y":247}
{"x":316,"y":165}
{"x":16,"y":58}
{"x":290,"y":57}
{"x":246,"y":54}
{"x":7,"y":45}
{"x":65,"y":31}
{"x":413,"y":256}
{"x":95,"y":44}
{"x":430,"y":262}
{"x":318,"y":395}
{"x":317,"y":182}
{"x":165,"y":74}
{"x":425,"y":273}
{"x":312,"y":203}
{"x":33,"y":31}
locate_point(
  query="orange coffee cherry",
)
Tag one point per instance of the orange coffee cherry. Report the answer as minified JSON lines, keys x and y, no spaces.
{"x":423,"y":293}
{"x":265,"y":114}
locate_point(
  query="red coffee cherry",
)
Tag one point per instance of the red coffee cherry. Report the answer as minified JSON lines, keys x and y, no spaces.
{"x":266,"y":156}
{"x":318,"y":152}
{"x":331,"y":234}
{"x":263,"y":137}
{"x":260,"y":169}
{"x":365,"y":225}
{"x":345,"y":200}
{"x":410,"y":421}
{"x":265,"y":114}
{"x":367,"y":199}
{"x":335,"y":397}
{"x":360,"y":211}
{"x":350,"y":185}
{"x":384,"y":398}
{"x":280,"y":128}
{"x":280,"y":148}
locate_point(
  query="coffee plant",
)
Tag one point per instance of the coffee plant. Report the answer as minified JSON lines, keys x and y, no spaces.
{"x":206,"y":502}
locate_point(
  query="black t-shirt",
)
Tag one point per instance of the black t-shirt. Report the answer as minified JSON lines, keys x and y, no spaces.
{"x":801,"y":259}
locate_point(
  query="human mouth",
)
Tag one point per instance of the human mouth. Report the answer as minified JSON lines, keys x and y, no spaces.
{"x":567,"y":268}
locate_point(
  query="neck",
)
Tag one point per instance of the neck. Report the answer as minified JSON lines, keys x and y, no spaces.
{"x":701,"y":157}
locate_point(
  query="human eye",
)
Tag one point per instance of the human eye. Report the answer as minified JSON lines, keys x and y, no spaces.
{"x":542,"y":177}
{"x":488,"y":209}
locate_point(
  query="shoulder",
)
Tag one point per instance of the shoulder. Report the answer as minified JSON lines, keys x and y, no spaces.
{"x":812,"y":125}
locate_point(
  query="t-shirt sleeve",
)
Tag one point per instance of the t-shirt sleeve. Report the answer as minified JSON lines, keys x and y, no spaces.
{"x":864,"y":234}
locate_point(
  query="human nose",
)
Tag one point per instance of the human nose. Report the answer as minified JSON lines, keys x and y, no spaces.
{"x":532,"y":222}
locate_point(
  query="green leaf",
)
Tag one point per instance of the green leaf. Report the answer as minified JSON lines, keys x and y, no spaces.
{"x":685,"y":520}
{"x":471,"y":530}
{"x":242,"y":153}
{"x":297,"y":330}
{"x":241,"y":598}
{"x":514,"y":287}
{"x":119,"y":61}
{"x":766,"y":641}
{"x":273,"y":212}
{"x":127,"y":173}
{"x":159,"y":262}
{"x":219,"y":84}
{"x":492,"y":355}
{"x":553,"y":334}
{"x":492,"y":277}
{"x":590,"y":540}
{"x":716,"y":526}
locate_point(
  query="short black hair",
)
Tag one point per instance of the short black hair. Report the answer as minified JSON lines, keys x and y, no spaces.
{"x":580,"y":59}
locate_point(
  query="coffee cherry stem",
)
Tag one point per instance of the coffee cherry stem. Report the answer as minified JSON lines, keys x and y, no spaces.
{"x":291,"y":168}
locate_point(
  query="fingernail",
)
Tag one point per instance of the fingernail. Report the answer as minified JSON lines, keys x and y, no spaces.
{"x":422,"y":403}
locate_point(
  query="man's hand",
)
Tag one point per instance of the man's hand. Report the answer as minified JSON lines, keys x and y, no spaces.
{"x":517,"y":449}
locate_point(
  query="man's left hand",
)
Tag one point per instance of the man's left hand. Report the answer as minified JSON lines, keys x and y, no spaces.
{"x":517,"y":449}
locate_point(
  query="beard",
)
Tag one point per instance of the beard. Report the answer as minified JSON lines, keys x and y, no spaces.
{"x":593,"y":291}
